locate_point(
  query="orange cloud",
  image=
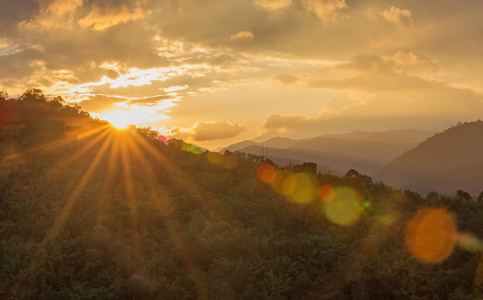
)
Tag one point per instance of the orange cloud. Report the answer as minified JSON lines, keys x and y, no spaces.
{"x":273,"y":4}
{"x":401,"y":17}
{"x":243,"y":35}
{"x":286,"y":78}
{"x":327,"y":10}
{"x":208,"y":131}
{"x":217,"y":131}
{"x":102,"y":18}
{"x":53,"y":14}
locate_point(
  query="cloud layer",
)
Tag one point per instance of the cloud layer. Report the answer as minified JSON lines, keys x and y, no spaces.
{"x":332,"y":63}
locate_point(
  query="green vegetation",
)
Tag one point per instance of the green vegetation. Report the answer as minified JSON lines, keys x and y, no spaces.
{"x":90,"y":212}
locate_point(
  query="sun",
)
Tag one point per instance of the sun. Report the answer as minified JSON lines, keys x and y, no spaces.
{"x":120,"y":119}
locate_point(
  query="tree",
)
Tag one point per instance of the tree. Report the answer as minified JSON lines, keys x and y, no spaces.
{"x":352,"y":173}
{"x":463,"y":194}
{"x":308,"y":167}
{"x":3,"y":95}
{"x":33,"y":95}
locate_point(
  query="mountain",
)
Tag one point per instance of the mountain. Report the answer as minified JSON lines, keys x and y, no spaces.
{"x":447,"y":162}
{"x":276,"y":142}
{"x":379,"y":146}
{"x":333,"y":163}
{"x":366,"y":152}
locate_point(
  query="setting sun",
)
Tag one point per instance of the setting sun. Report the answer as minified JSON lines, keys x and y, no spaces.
{"x":119,"y":118}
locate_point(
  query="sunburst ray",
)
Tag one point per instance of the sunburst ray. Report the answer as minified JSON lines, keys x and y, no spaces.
{"x":40,"y":255}
{"x":171,"y":219}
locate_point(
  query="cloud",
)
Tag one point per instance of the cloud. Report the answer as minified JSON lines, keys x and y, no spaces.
{"x":273,"y":4}
{"x":101,"y":18}
{"x":342,"y":101}
{"x":100,"y":103}
{"x":13,"y":12}
{"x":242,"y":35}
{"x":286,"y":78}
{"x":61,"y":6}
{"x":411,"y":58}
{"x":369,"y":73}
{"x":415,"y":62}
{"x":374,"y":94}
{"x":20,"y":63}
{"x":401,"y":17}
{"x":208,"y":131}
{"x":53,"y":14}
{"x":396,"y":16}
{"x":217,"y":130}
{"x":285,"y":122}
{"x":327,"y":10}
{"x":153,"y":100}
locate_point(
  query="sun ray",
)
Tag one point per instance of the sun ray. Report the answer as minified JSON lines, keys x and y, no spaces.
{"x":128,"y":180}
{"x":110,"y":177}
{"x":126,"y":162}
{"x":171,"y":219}
{"x":205,"y":198}
{"x":49,"y":146}
{"x":65,"y":163}
{"x":40,"y":255}
{"x":35,"y":150}
{"x":179,"y":177}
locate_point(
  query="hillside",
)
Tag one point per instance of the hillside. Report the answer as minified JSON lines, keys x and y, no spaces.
{"x":366,"y":152}
{"x":449,"y":161}
{"x":91,"y":212}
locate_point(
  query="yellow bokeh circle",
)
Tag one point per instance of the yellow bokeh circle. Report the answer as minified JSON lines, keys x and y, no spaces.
{"x":344,"y":206}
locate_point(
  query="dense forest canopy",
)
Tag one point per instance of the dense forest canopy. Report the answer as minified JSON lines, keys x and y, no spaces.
{"x":91,"y":212}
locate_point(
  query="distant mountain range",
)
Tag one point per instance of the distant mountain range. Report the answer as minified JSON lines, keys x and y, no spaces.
{"x":445,"y":163}
{"x":366,"y":152}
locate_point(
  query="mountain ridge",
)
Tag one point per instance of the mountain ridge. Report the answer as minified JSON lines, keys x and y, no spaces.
{"x":368,"y":151}
{"x":443,"y":163}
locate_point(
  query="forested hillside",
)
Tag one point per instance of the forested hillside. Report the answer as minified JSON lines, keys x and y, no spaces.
{"x":91,"y":212}
{"x":445,"y":163}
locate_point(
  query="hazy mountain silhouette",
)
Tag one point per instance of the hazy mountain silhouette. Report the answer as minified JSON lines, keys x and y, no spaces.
{"x":447,"y":162}
{"x":276,"y":142}
{"x":366,"y":152}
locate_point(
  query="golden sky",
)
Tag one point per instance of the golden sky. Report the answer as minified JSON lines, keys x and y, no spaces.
{"x":215,"y":72}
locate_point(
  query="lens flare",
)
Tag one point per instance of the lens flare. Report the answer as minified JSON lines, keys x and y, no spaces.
{"x":215,"y":158}
{"x":284,"y":183}
{"x":431,"y":235}
{"x":479,"y":273}
{"x":191,"y":148}
{"x":304,"y":189}
{"x":266,"y":173}
{"x":388,"y":219}
{"x":326,"y":193}
{"x":345,"y":208}
{"x":470,"y":242}
{"x":230,"y":161}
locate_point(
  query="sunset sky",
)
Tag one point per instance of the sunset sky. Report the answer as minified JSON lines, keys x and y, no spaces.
{"x":214,"y":72}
